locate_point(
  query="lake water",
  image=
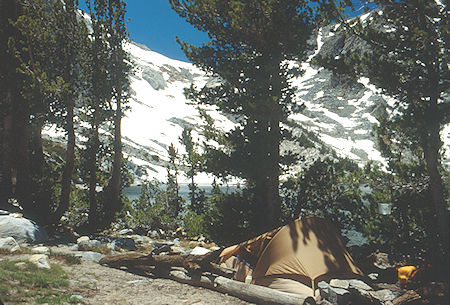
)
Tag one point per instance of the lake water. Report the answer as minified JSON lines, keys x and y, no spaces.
{"x":133,"y":192}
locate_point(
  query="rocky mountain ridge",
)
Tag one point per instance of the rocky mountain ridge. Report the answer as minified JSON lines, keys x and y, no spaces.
{"x":338,"y":118}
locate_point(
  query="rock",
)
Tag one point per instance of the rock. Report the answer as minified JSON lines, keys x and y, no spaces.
{"x":9,"y":244}
{"x":86,"y":245}
{"x":192,"y":244}
{"x":359,"y":285}
{"x":124,"y":243}
{"x":324,"y":290}
{"x":125,"y":232}
{"x":22,"y":230}
{"x":177,"y":242}
{"x":339,"y":295}
{"x":199,"y":251}
{"x":90,"y":256}
{"x":21,"y":265}
{"x":344,"y":284}
{"x":154,"y":234}
{"x":373,"y":276}
{"x":40,"y":260}
{"x":41,"y":250}
{"x":82,"y":238}
{"x":384,"y":295}
{"x":177,"y":250}
{"x":78,"y":298}
{"x":381,"y":260}
{"x":137,"y":282}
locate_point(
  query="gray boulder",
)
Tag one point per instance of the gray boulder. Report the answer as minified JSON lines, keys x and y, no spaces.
{"x":22,"y":230}
{"x":86,"y":245}
{"x":9,"y":244}
{"x":90,"y":256}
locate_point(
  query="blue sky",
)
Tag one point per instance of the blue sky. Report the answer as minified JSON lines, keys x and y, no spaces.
{"x":154,"y":24}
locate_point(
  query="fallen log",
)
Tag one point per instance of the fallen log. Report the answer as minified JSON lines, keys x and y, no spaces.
{"x":162,"y":264}
{"x":196,"y":265}
{"x":247,"y":292}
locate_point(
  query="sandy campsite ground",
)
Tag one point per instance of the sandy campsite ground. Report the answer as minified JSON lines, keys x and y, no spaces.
{"x":104,"y":285}
{"x":100,"y":285}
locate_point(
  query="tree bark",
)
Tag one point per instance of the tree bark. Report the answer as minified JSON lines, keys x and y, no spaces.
{"x":66,"y":179}
{"x":7,"y":148}
{"x":93,"y":208}
{"x":114,"y":183}
{"x":431,"y":152}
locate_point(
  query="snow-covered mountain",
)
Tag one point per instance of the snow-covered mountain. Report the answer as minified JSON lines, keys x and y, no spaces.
{"x":339,"y":114}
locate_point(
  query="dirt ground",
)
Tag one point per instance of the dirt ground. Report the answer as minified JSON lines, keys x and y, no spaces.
{"x":107,"y":286}
{"x":103,"y":285}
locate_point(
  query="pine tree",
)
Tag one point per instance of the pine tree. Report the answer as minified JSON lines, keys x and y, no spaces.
{"x":71,"y":36}
{"x":408,"y":60}
{"x":174,"y":199}
{"x":109,"y":90}
{"x":96,"y":106}
{"x":119,"y":70}
{"x":251,"y":44}
{"x":193,"y":161}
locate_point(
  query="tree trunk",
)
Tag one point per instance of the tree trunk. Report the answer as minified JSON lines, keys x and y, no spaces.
{"x":93,"y":208}
{"x":42,"y":193}
{"x":431,"y":152}
{"x":117,"y":163}
{"x":66,"y":179}
{"x":7,"y":148}
{"x":21,"y":133}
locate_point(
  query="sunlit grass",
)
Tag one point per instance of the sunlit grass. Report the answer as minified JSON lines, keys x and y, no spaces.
{"x":22,"y":281}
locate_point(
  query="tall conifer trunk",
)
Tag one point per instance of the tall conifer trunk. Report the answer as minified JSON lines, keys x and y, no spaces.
{"x":93,"y":150}
{"x":7,"y":149}
{"x":66,"y":179}
{"x":115,"y":181}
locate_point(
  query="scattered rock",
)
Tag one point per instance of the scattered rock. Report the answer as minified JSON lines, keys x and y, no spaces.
{"x":192,"y":244}
{"x":78,"y":299}
{"x":9,"y":244}
{"x":124,"y":243}
{"x":125,"y":232}
{"x":82,"y":238}
{"x":359,"y":285}
{"x":199,"y":251}
{"x":22,"y":230}
{"x":86,"y":245}
{"x":20,"y":265}
{"x":177,"y":242}
{"x":41,"y":250}
{"x":383,"y":295}
{"x":381,"y":260}
{"x":137,"y":282}
{"x":339,"y":295}
{"x":324,"y":290}
{"x":177,"y":250}
{"x":40,"y":260}
{"x":344,"y":284}
{"x":90,"y":256}
{"x":154,"y":234}
{"x":373,"y":276}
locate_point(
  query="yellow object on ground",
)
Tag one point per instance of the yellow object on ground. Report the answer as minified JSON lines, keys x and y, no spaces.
{"x":406,"y":273}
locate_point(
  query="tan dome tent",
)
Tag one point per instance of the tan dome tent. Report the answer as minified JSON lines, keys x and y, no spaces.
{"x":293,"y":258}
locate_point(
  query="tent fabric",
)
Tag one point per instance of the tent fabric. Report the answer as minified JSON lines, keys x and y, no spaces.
{"x":243,"y":271}
{"x":295,"y":257}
